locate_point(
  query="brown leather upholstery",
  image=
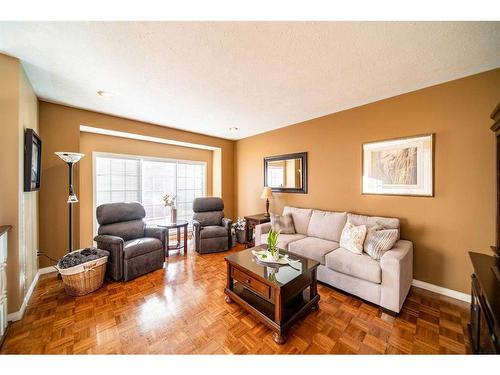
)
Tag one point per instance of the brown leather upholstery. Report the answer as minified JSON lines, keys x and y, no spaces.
{"x":135,"y":249}
{"x":212,"y":232}
{"x":140,"y":246}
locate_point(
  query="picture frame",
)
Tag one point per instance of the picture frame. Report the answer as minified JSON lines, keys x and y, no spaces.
{"x":400,"y":166}
{"x":32,"y":160}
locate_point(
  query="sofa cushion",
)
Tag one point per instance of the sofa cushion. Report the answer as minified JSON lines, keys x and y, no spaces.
{"x":283,"y":223}
{"x":213,"y":231}
{"x":353,"y":237}
{"x":360,"y":266}
{"x":370,"y":221}
{"x":326,"y":225}
{"x":301,"y":217}
{"x":141,"y":246}
{"x":379,"y":240}
{"x":284,"y":239}
{"x":313,"y":248}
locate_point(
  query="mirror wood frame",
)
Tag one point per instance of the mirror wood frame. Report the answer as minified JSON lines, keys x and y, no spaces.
{"x":299,"y":155}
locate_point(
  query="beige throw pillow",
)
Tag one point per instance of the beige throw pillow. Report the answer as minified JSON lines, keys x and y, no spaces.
{"x":379,"y":240}
{"x":353,"y":237}
{"x":283,"y":224}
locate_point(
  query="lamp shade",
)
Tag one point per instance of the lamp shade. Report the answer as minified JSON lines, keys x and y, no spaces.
{"x":267,"y":193}
{"x":70,"y":157}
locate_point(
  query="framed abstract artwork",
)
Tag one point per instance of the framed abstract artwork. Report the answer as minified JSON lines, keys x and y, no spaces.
{"x":403,"y":166}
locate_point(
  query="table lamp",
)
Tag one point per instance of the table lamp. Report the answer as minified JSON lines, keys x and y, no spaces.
{"x":267,"y":194}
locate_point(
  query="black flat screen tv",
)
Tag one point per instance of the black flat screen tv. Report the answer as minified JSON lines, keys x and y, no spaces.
{"x":32,"y":160}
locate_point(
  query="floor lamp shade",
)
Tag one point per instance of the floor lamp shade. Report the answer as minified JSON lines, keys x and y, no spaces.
{"x":70,"y":158}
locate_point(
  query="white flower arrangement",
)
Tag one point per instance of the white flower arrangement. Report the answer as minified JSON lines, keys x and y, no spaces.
{"x":239,"y":224}
{"x":168,"y":200}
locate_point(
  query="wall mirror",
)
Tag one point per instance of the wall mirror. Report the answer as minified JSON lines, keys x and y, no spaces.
{"x":286,"y":173}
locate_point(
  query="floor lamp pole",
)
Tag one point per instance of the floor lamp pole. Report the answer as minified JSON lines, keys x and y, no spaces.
{"x":70,"y":158}
{"x":70,"y":207}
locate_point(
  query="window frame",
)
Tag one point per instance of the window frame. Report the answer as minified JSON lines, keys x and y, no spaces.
{"x":97,"y":154}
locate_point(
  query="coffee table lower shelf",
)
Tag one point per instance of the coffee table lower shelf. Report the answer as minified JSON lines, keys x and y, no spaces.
{"x":265,"y":311}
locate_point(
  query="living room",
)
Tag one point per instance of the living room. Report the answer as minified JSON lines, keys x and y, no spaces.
{"x":204,"y":187}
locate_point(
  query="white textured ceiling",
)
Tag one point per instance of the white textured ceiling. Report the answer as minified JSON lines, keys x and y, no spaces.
{"x":209,"y":76}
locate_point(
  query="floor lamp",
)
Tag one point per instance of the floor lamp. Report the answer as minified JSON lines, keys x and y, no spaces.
{"x":70,"y":158}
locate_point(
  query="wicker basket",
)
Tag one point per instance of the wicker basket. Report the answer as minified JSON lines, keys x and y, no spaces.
{"x":84,"y":278}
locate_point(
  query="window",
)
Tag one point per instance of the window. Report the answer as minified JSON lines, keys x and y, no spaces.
{"x":275,"y":176}
{"x":120,"y":178}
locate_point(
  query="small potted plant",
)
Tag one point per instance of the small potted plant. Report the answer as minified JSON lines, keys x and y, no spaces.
{"x":169,"y":201}
{"x":272,"y":244}
{"x":239,"y":230}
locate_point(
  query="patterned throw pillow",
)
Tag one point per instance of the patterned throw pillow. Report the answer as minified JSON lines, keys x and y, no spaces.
{"x":379,"y":240}
{"x":283,"y":224}
{"x":352,"y":238}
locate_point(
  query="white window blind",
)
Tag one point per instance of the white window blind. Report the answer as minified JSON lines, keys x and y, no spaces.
{"x":275,"y":176}
{"x":124,"y":179}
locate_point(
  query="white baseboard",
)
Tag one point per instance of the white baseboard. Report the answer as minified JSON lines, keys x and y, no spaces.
{"x":440,"y":290}
{"x":18,"y":315}
{"x":43,"y":271}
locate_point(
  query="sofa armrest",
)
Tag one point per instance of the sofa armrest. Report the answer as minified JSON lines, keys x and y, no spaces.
{"x":259,"y":231}
{"x":114,"y":245}
{"x":397,"y":275}
{"x":156,"y":232}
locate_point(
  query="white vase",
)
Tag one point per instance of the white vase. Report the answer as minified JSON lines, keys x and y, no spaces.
{"x":275,"y":256}
{"x":173,"y":214}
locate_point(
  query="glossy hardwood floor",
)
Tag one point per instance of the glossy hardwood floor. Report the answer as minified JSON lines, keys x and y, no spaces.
{"x":181,"y":309}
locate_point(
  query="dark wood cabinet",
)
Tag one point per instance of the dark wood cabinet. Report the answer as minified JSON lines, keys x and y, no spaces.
{"x":250,"y":223}
{"x":484,"y":325}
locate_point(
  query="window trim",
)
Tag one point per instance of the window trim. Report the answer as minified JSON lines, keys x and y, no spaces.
{"x":109,"y":155}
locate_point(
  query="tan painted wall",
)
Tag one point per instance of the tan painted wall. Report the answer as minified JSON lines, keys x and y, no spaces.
{"x":18,"y":109}
{"x":461,"y":216}
{"x":59,"y":128}
{"x":90,"y":143}
{"x":28,"y":118}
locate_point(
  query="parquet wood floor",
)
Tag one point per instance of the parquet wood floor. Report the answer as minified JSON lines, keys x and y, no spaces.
{"x":181,"y":309}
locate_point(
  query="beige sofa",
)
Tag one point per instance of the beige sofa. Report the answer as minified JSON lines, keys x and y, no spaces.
{"x":385,"y":282}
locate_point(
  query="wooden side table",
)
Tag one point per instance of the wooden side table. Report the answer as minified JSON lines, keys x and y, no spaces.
{"x":177,"y":225}
{"x":251,"y":222}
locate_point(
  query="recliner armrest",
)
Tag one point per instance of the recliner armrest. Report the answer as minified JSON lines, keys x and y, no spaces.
{"x":196,"y":225}
{"x":114,"y":245}
{"x":108,"y":240}
{"x":226,"y":223}
{"x":156,"y":232}
{"x":196,"y":235}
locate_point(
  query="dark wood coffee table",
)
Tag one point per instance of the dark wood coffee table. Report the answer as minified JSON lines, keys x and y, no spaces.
{"x":278,"y":297}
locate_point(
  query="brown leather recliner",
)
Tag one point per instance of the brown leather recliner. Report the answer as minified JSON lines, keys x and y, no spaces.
{"x":212,"y":231}
{"x":135,"y":249}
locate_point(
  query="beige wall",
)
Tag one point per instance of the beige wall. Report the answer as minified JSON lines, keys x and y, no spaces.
{"x":60,"y":131}
{"x":18,"y":110}
{"x":461,"y":216}
{"x":28,"y":118}
{"x":90,"y":143}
